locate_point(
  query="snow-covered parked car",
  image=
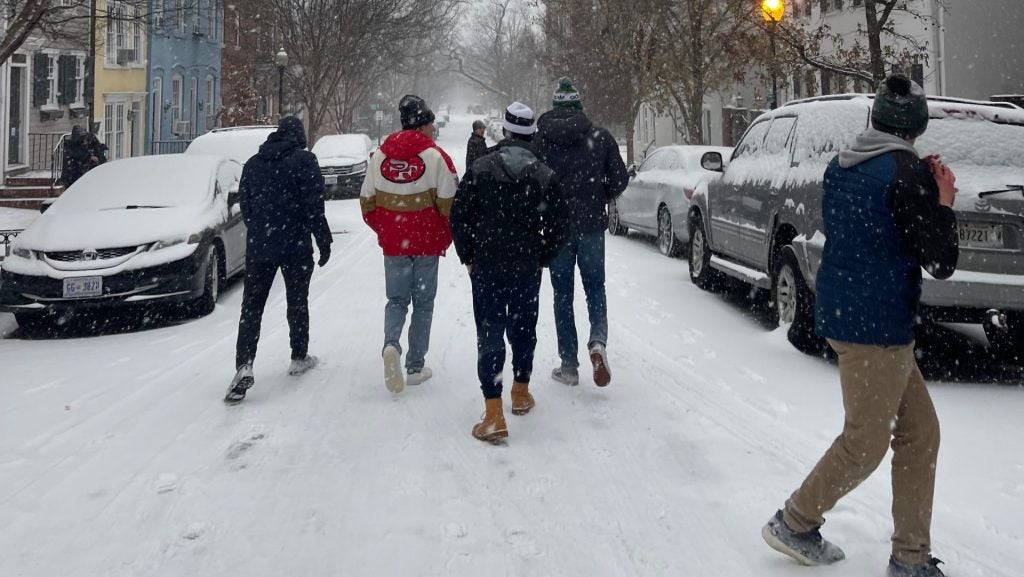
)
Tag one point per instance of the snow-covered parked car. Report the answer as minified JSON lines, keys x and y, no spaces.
{"x":239,"y":143}
{"x":143,"y":230}
{"x":343,"y":159}
{"x":657,"y":199}
{"x":760,"y":221}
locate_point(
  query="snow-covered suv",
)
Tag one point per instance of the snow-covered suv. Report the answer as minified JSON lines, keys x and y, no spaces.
{"x":760,"y":220}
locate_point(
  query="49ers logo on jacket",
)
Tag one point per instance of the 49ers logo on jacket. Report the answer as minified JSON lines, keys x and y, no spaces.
{"x":401,"y":171}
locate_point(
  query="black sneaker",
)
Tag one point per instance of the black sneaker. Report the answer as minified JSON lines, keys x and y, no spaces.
{"x":928,"y":569}
{"x":242,"y":382}
{"x":808,"y":548}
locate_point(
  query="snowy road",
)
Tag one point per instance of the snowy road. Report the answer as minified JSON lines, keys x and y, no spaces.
{"x":118,"y":458}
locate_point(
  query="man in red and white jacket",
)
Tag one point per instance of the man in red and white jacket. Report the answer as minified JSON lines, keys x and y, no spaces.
{"x":406,"y":198}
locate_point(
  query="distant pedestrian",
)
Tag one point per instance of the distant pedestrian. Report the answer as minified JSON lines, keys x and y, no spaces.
{"x":76,"y":157}
{"x":506,"y":224}
{"x":406,"y":199}
{"x":281,"y":195}
{"x":589,"y":167}
{"x":97,"y":151}
{"x":477,"y":145}
{"x":887,"y":213}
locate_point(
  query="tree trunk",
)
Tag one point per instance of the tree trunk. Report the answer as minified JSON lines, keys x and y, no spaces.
{"x":874,"y":30}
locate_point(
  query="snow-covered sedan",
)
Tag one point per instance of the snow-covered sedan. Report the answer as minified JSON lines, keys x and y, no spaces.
{"x":343,"y":159}
{"x":144,"y":230}
{"x":657,"y":199}
{"x":239,"y":143}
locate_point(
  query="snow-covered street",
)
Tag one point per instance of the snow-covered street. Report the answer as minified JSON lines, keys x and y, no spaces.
{"x":118,"y":458}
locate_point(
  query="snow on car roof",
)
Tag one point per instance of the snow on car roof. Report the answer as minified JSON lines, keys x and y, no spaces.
{"x":354,"y":145}
{"x":238,"y":144}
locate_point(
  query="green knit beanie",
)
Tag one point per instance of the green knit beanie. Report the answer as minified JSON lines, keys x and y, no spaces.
{"x":900,"y":108}
{"x":566,"y":95}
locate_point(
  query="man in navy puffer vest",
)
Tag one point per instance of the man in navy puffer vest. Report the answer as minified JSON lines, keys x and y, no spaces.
{"x":887,"y":213}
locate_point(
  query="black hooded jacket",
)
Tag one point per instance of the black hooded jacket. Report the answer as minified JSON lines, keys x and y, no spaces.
{"x":282,"y":198}
{"x":506,"y":220}
{"x":475,"y":148}
{"x":588,"y":164}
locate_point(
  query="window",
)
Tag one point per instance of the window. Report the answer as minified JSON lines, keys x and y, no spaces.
{"x":656,"y":161}
{"x":124,"y":34}
{"x":158,"y":107}
{"x":71,"y":80}
{"x":177,"y":97}
{"x":195,"y":18}
{"x":797,"y":88}
{"x":158,"y":15}
{"x":753,"y":140}
{"x":179,"y":13}
{"x":777,"y":141}
{"x":238,"y":31}
{"x":79,"y":80}
{"x":113,"y":129}
{"x":211,"y":101}
{"x":826,"y":82}
{"x":212,"y":19}
{"x":51,"y":80}
{"x":917,"y":74}
{"x":193,"y":102}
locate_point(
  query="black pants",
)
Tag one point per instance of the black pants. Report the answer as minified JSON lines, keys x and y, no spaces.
{"x":500,"y":306}
{"x":259,"y":277}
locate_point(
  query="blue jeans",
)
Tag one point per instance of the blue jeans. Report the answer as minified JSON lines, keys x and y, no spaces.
{"x":503,"y":307}
{"x":587,"y":250}
{"x":410,"y":279}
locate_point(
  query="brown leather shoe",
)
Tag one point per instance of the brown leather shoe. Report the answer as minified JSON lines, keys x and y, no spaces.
{"x":492,"y":428}
{"x":522,"y":400}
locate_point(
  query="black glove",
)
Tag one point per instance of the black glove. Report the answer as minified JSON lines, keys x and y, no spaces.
{"x":325,"y":254}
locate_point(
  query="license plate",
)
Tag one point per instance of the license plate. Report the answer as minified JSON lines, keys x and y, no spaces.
{"x":83,"y":287}
{"x":981,"y":235}
{"x":331,"y":179}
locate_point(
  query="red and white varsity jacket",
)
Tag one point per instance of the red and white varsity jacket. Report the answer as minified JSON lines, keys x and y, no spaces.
{"x":407,"y":195}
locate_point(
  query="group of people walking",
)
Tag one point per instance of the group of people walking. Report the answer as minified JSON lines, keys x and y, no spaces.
{"x":538,"y":200}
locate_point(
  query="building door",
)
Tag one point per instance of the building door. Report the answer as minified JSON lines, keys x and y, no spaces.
{"x":16,"y":112}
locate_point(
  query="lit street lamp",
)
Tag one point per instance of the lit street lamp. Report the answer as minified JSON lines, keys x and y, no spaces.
{"x":772,"y":11}
{"x":281,"y":61}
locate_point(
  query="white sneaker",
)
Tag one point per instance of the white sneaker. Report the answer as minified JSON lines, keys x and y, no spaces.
{"x":241,"y":383}
{"x":394,"y":377}
{"x":602,"y":372}
{"x":300,"y":366}
{"x":418,"y":377}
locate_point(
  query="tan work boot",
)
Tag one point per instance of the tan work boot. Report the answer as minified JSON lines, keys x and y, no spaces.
{"x":492,"y":428}
{"x":522,"y":400}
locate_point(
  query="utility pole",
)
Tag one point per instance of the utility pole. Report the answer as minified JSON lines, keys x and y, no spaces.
{"x":90,"y":82}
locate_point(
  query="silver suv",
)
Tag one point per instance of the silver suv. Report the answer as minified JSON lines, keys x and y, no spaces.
{"x":759,"y":221}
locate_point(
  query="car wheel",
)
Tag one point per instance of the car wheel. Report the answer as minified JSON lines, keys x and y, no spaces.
{"x":615,"y":227}
{"x":1007,"y":344}
{"x":205,"y":304}
{"x":701,"y":272}
{"x":793,"y":304}
{"x":668,"y":244}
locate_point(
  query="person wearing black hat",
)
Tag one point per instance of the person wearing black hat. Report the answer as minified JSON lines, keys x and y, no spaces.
{"x":507,"y":225}
{"x":887,"y":213}
{"x":477,"y":145}
{"x":406,"y":198}
{"x":281,"y":196}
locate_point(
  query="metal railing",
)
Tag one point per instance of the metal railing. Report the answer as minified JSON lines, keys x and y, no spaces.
{"x":40,"y":150}
{"x":170,"y":146}
{"x":6,"y":237}
{"x":58,"y":161}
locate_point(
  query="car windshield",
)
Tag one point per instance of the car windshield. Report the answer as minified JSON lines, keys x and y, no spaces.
{"x":353,"y":145}
{"x":143,"y":182}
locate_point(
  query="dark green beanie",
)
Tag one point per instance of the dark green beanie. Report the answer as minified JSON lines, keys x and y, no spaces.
{"x":900,"y":108}
{"x":566,"y":95}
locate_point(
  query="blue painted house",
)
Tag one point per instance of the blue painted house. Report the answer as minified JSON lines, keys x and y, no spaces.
{"x":184,"y":74}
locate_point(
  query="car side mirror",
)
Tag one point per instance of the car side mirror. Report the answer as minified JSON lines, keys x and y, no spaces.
{"x":631,"y":171}
{"x":712,"y":161}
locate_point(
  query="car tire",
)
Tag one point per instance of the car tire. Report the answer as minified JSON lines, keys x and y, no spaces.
{"x":701,"y":273}
{"x":1007,"y":344}
{"x":793,"y":304}
{"x":668,"y":244}
{"x":615,"y":227}
{"x":206,"y":302}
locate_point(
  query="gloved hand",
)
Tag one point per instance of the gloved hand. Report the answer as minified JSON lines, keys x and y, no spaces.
{"x":325,"y":254}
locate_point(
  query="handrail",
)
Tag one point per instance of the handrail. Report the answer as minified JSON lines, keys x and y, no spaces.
{"x":57,"y":167}
{"x":7,"y":236}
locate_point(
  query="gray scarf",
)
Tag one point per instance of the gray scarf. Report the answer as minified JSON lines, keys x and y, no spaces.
{"x":872,"y":143}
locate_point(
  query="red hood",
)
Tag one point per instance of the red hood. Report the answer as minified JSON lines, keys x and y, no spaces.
{"x":405,"y":144}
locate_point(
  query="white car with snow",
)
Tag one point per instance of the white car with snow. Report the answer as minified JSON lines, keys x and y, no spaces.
{"x":239,"y":143}
{"x":657,"y":199}
{"x":143,"y":230}
{"x":760,"y":221}
{"x":343,"y":159}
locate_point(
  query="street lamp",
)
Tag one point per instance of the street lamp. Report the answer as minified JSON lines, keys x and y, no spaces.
{"x":772,"y":11}
{"x":281,"y":61}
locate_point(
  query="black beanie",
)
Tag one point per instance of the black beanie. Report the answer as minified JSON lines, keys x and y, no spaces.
{"x":900,"y":108}
{"x":414,"y":112}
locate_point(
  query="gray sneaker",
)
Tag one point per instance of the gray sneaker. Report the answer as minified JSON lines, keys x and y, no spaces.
{"x":241,"y":383}
{"x":807,"y":548}
{"x":301,"y":366}
{"x":418,"y":376}
{"x":566,"y":376}
{"x":900,"y":569}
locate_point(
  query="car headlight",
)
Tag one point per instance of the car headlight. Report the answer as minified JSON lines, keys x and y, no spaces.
{"x":361,"y":167}
{"x":22,"y":253}
{"x":162,"y":244}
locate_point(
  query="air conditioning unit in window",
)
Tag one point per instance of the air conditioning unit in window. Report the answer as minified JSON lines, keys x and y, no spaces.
{"x":125,"y":56}
{"x":180,"y":128}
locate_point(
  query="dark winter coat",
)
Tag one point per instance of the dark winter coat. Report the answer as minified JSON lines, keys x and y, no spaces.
{"x":883,"y":222}
{"x":475,"y":148}
{"x":76,"y":157}
{"x":282,"y":199}
{"x":588,"y":164}
{"x":506,"y":219}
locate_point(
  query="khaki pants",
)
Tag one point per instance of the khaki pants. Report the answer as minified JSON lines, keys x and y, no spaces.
{"x":885,"y":399}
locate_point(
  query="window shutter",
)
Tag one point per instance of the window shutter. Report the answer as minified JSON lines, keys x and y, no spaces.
{"x":40,"y":84}
{"x":66,"y":70}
